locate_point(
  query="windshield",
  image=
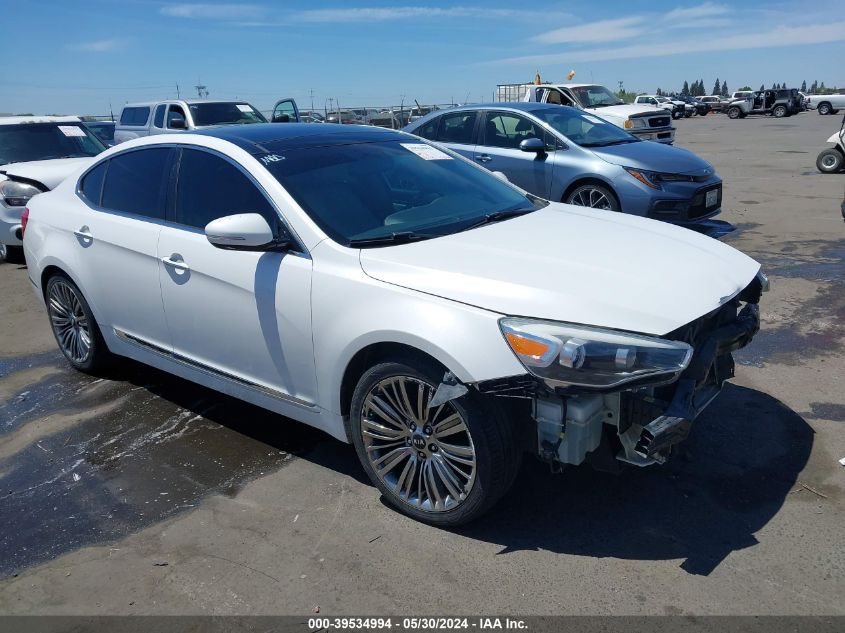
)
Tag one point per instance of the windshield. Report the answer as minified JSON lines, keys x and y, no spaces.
{"x":44,"y":141}
{"x":225,"y":114}
{"x":584,"y":129}
{"x":595,"y":96}
{"x":367,"y":191}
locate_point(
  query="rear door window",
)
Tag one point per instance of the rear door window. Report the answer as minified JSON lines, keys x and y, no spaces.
{"x":158,"y":120}
{"x":92,"y":184}
{"x":136,"y":182}
{"x":210,"y":187}
{"x":457,"y":127}
{"x":135,"y":116}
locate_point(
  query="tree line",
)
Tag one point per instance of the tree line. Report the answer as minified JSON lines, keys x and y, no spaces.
{"x":697,"y":89}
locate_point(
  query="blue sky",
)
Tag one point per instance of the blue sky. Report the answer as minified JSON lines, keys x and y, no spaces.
{"x":69,"y":57}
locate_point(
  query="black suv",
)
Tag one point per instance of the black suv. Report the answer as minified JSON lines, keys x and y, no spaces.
{"x":777,"y":103}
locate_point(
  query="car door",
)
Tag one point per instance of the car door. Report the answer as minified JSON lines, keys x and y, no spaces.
{"x":244,"y":315}
{"x":285,"y":111}
{"x":498,"y":150}
{"x":117,"y":243}
{"x":457,"y":130}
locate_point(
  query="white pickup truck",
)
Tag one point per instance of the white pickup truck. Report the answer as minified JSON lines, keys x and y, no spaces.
{"x":825,"y":104}
{"x":644,"y":121}
{"x":181,"y":115}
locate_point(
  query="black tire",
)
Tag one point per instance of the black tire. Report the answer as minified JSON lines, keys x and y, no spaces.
{"x":11,"y":254}
{"x":98,"y":357}
{"x":734,"y":112}
{"x":576,"y":196}
{"x":687,"y":114}
{"x":825,"y":108}
{"x":779,"y":112}
{"x":830,"y":161}
{"x":677,"y":114}
{"x":496,"y":452}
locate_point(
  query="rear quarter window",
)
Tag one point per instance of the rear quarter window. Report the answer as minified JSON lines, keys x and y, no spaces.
{"x":91,"y":186}
{"x":136,"y":116}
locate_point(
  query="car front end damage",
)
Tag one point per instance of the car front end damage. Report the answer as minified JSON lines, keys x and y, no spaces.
{"x":638,"y":420}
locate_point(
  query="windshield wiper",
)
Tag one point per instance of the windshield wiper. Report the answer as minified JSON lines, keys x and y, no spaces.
{"x":400,"y":237}
{"x":497,"y":216}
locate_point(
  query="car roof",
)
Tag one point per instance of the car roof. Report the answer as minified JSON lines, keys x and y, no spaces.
{"x":17,"y":120}
{"x":142,"y":104}
{"x":261,"y":138}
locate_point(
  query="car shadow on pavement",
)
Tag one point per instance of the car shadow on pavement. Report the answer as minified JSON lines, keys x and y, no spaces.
{"x":728,"y":480}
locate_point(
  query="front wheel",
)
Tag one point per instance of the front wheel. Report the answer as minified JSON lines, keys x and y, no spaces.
{"x":11,"y":254}
{"x":594,"y":196}
{"x":445,"y":465}
{"x":74,"y":326}
{"x":677,"y":114}
{"x":830,"y":161}
{"x":687,"y":115}
{"x":734,"y":113}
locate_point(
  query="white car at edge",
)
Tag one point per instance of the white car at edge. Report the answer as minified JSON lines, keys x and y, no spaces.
{"x":387,"y":291}
{"x":36,"y":154}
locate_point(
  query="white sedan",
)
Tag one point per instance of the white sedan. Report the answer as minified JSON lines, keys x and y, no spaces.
{"x":393,"y":294}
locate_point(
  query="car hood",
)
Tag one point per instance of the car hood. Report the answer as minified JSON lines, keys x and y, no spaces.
{"x":566,"y":263}
{"x":626,"y":111}
{"x":654,"y":157}
{"x":48,"y":172}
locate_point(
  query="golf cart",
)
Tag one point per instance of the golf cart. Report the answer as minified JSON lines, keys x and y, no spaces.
{"x":832,"y":159}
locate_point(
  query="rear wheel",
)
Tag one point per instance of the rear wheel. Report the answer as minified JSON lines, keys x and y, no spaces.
{"x":74,"y":326}
{"x":734,"y":112}
{"x":594,"y":196}
{"x":824,"y":108}
{"x":779,"y":112}
{"x":830,"y":161}
{"x":444,"y":465}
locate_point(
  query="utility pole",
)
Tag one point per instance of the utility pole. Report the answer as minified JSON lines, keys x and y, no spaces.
{"x":178,"y":96}
{"x":312,"y":99}
{"x":202,"y":91}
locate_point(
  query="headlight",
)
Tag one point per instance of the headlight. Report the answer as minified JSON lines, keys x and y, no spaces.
{"x":577,"y":355}
{"x":17,"y":194}
{"x":635,"y":124}
{"x":653,"y":179}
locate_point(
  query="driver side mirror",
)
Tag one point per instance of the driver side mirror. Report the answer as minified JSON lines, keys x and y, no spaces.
{"x":177,"y":123}
{"x":533,"y":145}
{"x":246,"y":232}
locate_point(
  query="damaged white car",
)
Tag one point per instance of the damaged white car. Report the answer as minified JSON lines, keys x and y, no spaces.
{"x":36,"y":154}
{"x":395,"y":295}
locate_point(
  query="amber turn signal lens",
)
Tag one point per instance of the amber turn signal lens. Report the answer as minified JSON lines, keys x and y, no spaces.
{"x":526,"y":346}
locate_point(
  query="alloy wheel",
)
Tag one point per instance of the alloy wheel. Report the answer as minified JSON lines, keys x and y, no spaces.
{"x":591,"y":197}
{"x":70,"y":325}
{"x":424,"y":455}
{"x":3,"y":252}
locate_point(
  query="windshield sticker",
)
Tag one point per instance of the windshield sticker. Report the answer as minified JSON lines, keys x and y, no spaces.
{"x":593,"y":119}
{"x":426,"y":152}
{"x":72,"y":130}
{"x":271,"y":158}
{"x":244,"y":108}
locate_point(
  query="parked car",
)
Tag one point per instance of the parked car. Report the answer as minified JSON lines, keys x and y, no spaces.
{"x":392,"y":325}
{"x":36,"y":154}
{"x":647,"y":122}
{"x":777,"y":103}
{"x":741,"y":94}
{"x":832,"y":160}
{"x":701,"y":108}
{"x":163,"y":117}
{"x":565,"y":154}
{"x":311,"y":116}
{"x":347,"y":117}
{"x":716,"y":103}
{"x":825,"y":104}
{"x":675,"y":109}
{"x":104,"y":131}
{"x":687,"y":109}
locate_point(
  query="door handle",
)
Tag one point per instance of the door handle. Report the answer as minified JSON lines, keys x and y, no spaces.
{"x":83,"y":233}
{"x":483,"y":158}
{"x":178,"y":264}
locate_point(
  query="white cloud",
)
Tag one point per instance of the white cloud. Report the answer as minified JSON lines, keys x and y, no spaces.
{"x":706,"y":10}
{"x":777,"y":37}
{"x":386,"y":14}
{"x":212,"y":11}
{"x":98,"y":46}
{"x":601,"y":31}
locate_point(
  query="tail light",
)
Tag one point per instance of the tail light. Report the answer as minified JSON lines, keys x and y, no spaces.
{"x":24,"y":220}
